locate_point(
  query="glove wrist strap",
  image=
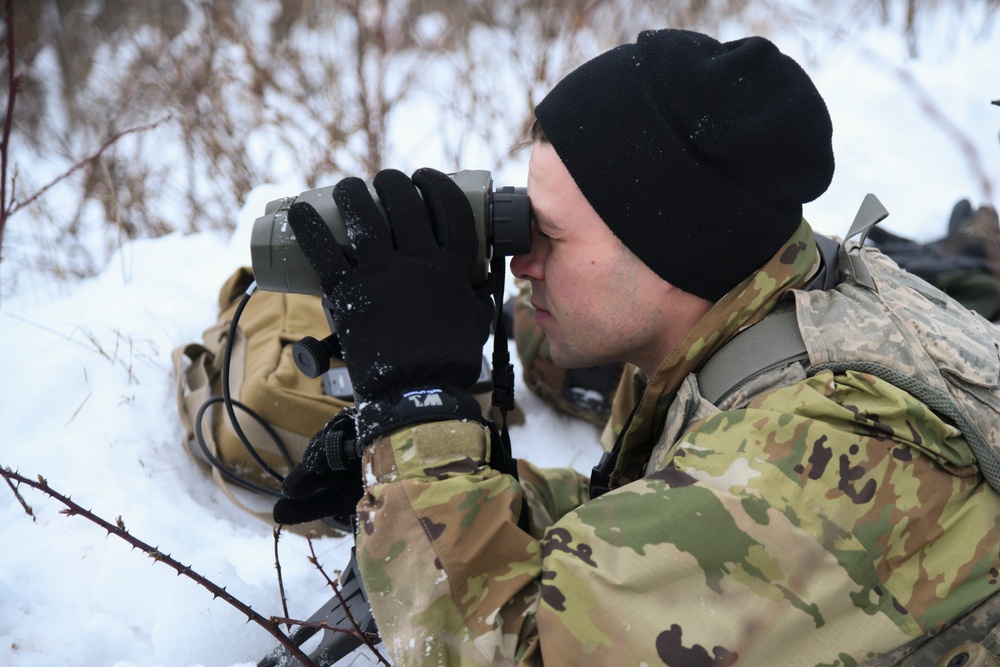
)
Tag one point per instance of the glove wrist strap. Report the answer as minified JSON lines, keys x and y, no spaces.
{"x":416,"y":405}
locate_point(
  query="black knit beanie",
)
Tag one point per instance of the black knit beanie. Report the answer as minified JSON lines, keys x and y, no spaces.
{"x":698,"y":155}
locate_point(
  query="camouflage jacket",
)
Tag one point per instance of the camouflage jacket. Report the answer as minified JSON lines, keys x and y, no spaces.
{"x":807,"y":520}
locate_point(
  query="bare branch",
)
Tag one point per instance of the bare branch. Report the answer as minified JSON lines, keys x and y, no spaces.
{"x":323,"y":625}
{"x":13,"y":81}
{"x":951,"y":129}
{"x":87,"y":161}
{"x":281,"y":582}
{"x":365,"y":637}
{"x":20,"y":498}
{"x":118,"y":530}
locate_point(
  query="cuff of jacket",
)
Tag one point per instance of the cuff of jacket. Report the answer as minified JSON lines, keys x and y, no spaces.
{"x":435,"y":450}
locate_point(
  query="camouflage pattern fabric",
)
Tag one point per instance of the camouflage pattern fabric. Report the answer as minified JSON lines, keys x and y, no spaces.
{"x":965,"y":263}
{"x":747,"y":303}
{"x":980,"y":625}
{"x":823,"y":520}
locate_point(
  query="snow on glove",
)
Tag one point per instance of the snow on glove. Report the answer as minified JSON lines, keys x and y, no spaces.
{"x":411,"y":324}
{"x":327,"y":483}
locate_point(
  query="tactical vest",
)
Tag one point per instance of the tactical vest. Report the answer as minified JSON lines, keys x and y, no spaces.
{"x":881,"y":320}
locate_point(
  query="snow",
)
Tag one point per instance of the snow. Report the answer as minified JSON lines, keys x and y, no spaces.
{"x":87,"y":398}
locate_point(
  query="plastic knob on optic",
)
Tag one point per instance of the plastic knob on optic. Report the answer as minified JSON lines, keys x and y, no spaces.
{"x":312,"y":356}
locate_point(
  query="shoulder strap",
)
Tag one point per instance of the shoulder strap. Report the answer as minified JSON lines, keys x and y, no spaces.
{"x":772,"y":343}
{"x":775,"y":341}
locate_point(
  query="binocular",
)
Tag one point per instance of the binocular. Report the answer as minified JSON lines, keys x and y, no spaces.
{"x":502,"y":221}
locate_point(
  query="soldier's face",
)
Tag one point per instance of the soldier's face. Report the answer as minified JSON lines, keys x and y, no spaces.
{"x":594,"y":299}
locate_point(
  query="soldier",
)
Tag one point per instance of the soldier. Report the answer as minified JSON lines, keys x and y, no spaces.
{"x":819,"y":513}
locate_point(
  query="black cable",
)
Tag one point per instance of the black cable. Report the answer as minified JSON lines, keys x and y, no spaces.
{"x":232,"y":476}
{"x":231,"y":404}
{"x":216,"y":463}
{"x":226,"y":393}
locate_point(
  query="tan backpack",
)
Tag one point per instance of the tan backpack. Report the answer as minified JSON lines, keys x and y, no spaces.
{"x":276,"y":405}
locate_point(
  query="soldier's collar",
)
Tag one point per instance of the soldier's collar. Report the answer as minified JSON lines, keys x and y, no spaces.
{"x":745,"y":305}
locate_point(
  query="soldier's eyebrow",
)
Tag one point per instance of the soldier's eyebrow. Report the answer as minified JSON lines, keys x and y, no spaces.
{"x":545,"y":225}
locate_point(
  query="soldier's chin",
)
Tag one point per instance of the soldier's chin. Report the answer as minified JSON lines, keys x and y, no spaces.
{"x":567,"y":357}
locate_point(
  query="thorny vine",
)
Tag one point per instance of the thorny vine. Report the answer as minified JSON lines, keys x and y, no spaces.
{"x":270,"y":624}
{"x":366,"y":638}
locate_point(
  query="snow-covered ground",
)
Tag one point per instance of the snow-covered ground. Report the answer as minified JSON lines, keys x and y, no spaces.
{"x":87,"y":395}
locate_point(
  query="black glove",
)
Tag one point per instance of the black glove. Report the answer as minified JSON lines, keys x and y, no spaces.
{"x":328,"y":481}
{"x":411,"y":324}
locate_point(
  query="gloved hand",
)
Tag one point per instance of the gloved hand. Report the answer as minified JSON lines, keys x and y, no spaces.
{"x":411,"y":324}
{"x":327,"y":483}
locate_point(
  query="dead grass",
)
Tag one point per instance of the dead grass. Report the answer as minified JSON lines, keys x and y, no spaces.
{"x":222,"y":88}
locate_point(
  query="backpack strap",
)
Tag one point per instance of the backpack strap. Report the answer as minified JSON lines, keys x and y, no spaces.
{"x":772,"y":343}
{"x":775,"y":341}
{"x":870,"y":214}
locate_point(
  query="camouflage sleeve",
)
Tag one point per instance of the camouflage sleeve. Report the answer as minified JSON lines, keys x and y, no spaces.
{"x":827,"y":522}
{"x":551,"y":493}
{"x":451,"y":577}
